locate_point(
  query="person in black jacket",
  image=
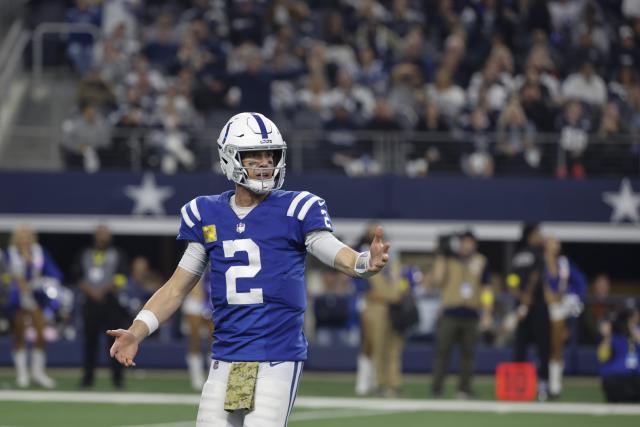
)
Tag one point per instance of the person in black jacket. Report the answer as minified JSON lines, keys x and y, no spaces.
{"x":526,"y":282}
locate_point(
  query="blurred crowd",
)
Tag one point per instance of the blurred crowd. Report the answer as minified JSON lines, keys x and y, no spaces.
{"x":479,"y":86}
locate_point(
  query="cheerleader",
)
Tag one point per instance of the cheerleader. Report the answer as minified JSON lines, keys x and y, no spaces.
{"x":565,"y":286}
{"x":33,"y":272}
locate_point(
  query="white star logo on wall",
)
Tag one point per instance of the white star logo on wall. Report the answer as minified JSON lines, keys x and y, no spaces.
{"x":148,"y":197}
{"x":625,"y":202}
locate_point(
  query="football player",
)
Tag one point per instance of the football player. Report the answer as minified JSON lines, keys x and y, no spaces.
{"x":256,"y":238}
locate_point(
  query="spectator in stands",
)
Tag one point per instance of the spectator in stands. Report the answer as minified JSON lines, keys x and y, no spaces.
{"x":120,"y":15}
{"x":612,"y":135}
{"x":197,"y":312}
{"x":537,"y":106}
{"x":32,"y":271}
{"x":315,"y":98}
{"x":446,"y":95}
{"x":476,"y":126}
{"x":358,"y":100}
{"x":565,"y":290}
{"x":631,"y":9}
{"x":245,"y":24}
{"x":80,"y":44}
{"x":112,"y":63}
{"x":371,"y":72}
{"x":405,"y":93}
{"x":462,"y":274}
{"x":585,"y":86}
{"x":161,"y":42}
{"x":526,"y":282}
{"x":621,"y":88}
{"x":574,"y":129}
{"x":619,"y":354}
{"x":625,"y":51}
{"x":253,"y":80}
{"x":516,"y":140}
{"x":101,"y":269}
{"x":93,"y":89}
{"x":169,"y":141}
{"x":84,"y":139}
{"x":490,"y":84}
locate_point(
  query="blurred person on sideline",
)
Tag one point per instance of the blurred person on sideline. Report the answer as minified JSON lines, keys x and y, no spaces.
{"x":598,"y":306}
{"x":566,"y":286}
{"x":197,"y":312}
{"x":366,"y":374}
{"x":142,"y":282}
{"x":526,"y":282}
{"x":462,"y":274}
{"x":102,"y":272}
{"x":619,"y":354}
{"x":386,"y":341}
{"x":33,"y":272}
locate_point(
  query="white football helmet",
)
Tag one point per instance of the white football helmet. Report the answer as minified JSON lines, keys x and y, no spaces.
{"x":251,"y":132}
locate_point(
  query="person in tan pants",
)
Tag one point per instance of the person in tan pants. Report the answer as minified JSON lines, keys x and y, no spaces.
{"x":386,"y":343}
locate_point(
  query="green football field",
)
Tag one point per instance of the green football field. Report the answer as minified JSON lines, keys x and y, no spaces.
{"x":164,"y":399}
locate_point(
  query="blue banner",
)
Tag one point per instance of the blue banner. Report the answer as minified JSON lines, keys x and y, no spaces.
{"x":385,"y":197}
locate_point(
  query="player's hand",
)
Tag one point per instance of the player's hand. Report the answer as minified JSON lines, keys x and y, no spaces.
{"x":379,"y":251}
{"x":125,"y":347}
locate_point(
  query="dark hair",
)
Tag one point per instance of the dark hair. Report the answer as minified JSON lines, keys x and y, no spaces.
{"x":527,"y":230}
{"x":620,"y":321}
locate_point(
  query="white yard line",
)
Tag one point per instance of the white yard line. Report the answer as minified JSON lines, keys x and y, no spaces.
{"x":329,"y":402}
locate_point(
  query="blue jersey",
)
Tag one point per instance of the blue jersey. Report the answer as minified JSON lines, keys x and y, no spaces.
{"x":257,"y":271}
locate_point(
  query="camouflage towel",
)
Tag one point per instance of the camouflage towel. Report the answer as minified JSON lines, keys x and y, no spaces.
{"x":241,"y":386}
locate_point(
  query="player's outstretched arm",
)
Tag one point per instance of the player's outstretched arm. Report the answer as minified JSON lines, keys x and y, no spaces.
{"x":366,"y":263}
{"x":162,"y":304}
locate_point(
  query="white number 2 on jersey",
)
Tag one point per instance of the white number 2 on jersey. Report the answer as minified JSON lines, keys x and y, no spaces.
{"x":254,"y":296}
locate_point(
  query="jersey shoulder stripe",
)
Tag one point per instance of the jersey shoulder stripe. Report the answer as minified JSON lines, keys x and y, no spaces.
{"x":194,"y":208}
{"x":307,"y":205}
{"x":185,"y":217}
{"x":191,"y":212}
{"x":296,"y":201}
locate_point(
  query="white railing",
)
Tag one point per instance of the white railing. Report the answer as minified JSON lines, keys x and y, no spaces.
{"x":60,"y":28}
{"x":11,"y":55}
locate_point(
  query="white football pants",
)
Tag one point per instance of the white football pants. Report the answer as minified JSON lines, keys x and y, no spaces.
{"x":275,"y":394}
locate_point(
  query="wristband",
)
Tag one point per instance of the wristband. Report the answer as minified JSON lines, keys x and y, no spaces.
{"x":149,"y":319}
{"x":362,"y":265}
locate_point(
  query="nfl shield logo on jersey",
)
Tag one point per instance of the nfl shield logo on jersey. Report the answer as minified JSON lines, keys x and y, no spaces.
{"x":240,"y":227}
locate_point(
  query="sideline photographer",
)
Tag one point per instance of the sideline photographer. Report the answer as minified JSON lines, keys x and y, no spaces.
{"x":462,"y":275}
